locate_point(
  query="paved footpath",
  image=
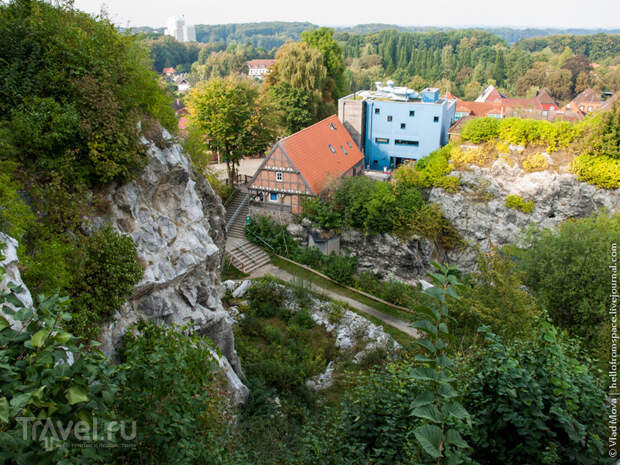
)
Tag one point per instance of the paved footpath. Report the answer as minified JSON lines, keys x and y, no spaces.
{"x":388,"y":319}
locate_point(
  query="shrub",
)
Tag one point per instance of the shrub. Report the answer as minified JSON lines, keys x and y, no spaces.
{"x":576,"y":294}
{"x":107,"y":277}
{"x":170,"y":387}
{"x":480,"y":156}
{"x":480,"y":130}
{"x":46,"y":375}
{"x":555,"y":135}
{"x":75,"y":90}
{"x":603,"y":138}
{"x":602,"y":171}
{"x":516,"y":202}
{"x":15,"y":216}
{"x":534,"y":401}
{"x":535,"y":162}
{"x":321,"y":214}
{"x":449,"y":183}
{"x":493,"y":296}
{"x":429,"y":170}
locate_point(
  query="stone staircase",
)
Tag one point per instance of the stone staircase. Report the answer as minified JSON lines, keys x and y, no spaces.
{"x":243,"y":255}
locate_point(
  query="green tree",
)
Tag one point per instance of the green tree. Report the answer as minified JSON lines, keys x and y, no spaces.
{"x":322,"y":39}
{"x":232,"y":118}
{"x":300,"y":79}
{"x":499,"y":69}
{"x":74,"y":92}
{"x":576,"y":294}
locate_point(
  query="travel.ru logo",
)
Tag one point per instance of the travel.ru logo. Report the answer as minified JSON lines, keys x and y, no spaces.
{"x":81,"y":433}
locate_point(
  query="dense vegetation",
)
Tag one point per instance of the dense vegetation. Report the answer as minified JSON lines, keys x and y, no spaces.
{"x":378,"y":207}
{"x":576,"y":295}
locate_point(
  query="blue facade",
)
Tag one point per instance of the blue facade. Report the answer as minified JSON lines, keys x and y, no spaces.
{"x":401,"y":130}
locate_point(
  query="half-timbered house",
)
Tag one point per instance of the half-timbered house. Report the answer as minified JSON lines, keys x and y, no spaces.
{"x":302,"y":165}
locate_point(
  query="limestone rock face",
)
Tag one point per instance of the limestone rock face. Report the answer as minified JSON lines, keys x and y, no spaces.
{"x":479,"y":214}
{"x":390,"y":255}
{"x":177,"y":223}
{"x":12,"y":275}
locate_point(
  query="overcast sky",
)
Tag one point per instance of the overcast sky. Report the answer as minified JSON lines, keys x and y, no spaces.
{"x":515,"y":13}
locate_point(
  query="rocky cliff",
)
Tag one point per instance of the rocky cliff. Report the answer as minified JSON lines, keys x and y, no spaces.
{"x":177,"y":223}
{"x":479,"y":213}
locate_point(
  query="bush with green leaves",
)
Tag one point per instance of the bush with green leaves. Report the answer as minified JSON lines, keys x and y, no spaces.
{"x":480,"y":130}
{"x":493,"y":296}
{"x":516,"y":202}
{"x":602,"y":171}
{"x":47,"y":375}
{"x":74,"y":92}
{"x":321,"y":213}
{"x":170,"y":386}
{"x":577,"y":293}
{"x":106,"y":276}
{"x":15,"y":216}
{"x":554,"y":135}
{"x":535,"y":401}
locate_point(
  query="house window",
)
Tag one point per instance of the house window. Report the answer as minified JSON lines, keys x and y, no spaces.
{"x":343,"y":149}
{"x":273,"y":197}
{"x":382,"y":140}
{"x":389,"y":118}
{"x":403,"y":125}
{"x":377,"y":111}
{"x":414,"y":143}
{"x":332,"y":127}
{"x":279,"y":176}
{"x":412,"y":113}
{"x":349,"y":145}
{"x":331,"y":147}
{"x":435,"y":119}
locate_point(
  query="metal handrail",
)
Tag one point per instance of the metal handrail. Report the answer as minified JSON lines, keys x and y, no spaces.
{"x":261,"y":239}
{"x":237,"y":211}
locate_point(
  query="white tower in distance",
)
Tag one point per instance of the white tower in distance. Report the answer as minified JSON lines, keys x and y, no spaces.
{"x":177,"y":28}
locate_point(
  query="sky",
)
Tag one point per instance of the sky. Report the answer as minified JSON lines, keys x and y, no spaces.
{"x":510,"y":13}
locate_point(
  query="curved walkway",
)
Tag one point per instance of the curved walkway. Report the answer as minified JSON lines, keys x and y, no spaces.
{"x":388,"y":319}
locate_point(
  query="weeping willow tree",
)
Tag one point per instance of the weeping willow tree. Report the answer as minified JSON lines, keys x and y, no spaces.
{"x":300,"y":87}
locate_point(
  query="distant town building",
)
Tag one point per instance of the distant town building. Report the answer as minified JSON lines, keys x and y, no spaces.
{"x":586,"y":102}
{"x":180,"y":30}
{"x":302,"y":165}
{"x":170,"y":71}
{"x":259,"y":68}
{"x":493,"y":104}
{"x":396,"y":124}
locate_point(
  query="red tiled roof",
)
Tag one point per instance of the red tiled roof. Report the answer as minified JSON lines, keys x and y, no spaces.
{"x":309,"y":151}
{"x":479,"y":108}
{"x":169,"y":70}
{"x":260,"y":63}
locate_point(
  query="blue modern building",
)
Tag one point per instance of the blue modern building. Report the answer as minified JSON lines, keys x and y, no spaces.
{"x":396,"y":124}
